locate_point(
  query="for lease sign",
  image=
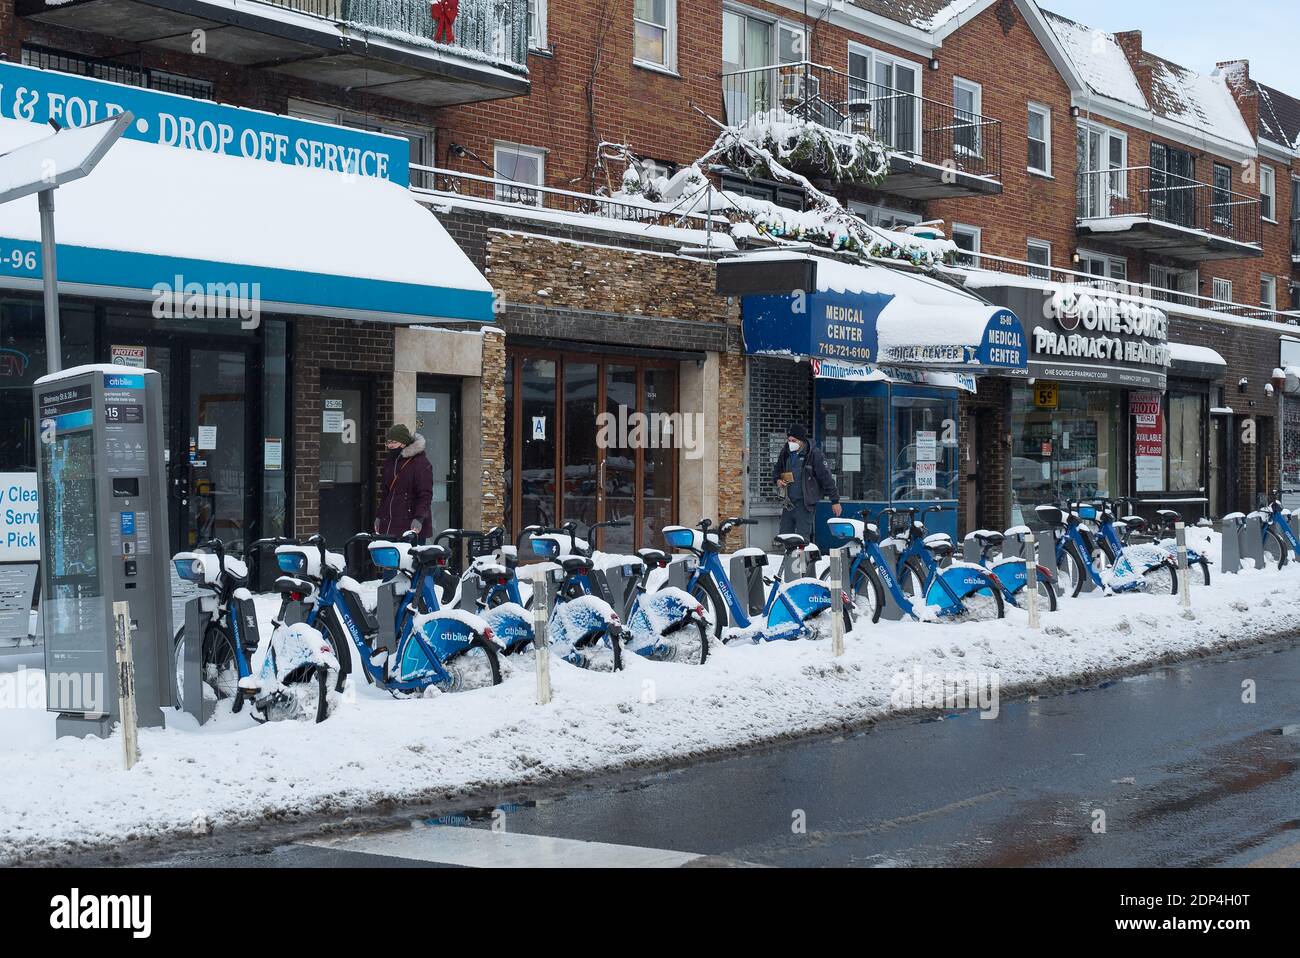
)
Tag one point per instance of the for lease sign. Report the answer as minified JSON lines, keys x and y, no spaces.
{"x":19,"y":518}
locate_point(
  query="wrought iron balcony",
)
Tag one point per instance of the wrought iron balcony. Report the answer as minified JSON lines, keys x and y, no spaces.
{"x":393,"y":46}
{"x":1150,"y":209}
{"x":936,"y":150}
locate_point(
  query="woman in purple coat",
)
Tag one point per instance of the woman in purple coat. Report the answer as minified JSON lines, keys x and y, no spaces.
{"x":407,"y":486}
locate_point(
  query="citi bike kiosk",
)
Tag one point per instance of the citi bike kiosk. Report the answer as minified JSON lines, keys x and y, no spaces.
{"x":104,"y":539}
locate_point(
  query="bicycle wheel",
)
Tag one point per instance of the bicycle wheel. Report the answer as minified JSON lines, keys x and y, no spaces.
{"x":867,"y":598}
{"x":322,"y":695}
{"x":1275,"y":547}
{"x":1160,"y":580}
{"x":688,"y":643}
{"x":477,"y":667}
{"x":1072,"y":567}
{"x":1046,"y":595}
{"x":1205,"y":569}
{"x":911,"y":579}
{"x":984,"y":604}
{"x":220,"y":668}
{"x":706,"y":594}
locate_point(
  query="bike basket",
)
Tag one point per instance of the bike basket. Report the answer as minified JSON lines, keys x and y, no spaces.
{"x":291,"y":562}
{"x":386,"y":557}
{"x":681,"y":538}
{"x":545,"y":548}
{"x":485,"y":545}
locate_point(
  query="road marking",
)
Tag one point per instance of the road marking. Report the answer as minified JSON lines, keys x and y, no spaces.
{"x":484,"y":848}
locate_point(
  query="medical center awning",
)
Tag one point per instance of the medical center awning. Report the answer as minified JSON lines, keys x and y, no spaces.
{"x":151,"y":218}
{"x":800,"y":305}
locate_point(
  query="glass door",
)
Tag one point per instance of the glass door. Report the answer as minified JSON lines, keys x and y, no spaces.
{"x":619,"y":472}
{"x":217,"y":409}
{"x":346,"y":499}
{"x":580,"y":491}
{"x":437,"y":418}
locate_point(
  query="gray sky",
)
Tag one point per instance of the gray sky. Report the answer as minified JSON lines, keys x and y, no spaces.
{"x":1199,"y":33}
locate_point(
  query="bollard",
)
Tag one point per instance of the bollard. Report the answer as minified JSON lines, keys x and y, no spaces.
{"x":126,"y":683}
{"x":541,"y":644}
{"x":837,"y":602}
{"x":1184,"y":580}
{"x":1031,"y":579}
{"x":1230,"y":560}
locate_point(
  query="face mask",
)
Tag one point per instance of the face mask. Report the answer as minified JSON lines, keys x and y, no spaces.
{"x":794,"y":446}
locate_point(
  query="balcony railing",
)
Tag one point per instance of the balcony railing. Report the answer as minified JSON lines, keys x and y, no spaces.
{"x":930,"y":130}
{"x":497,"y":29}
{"x":1148,"y":193}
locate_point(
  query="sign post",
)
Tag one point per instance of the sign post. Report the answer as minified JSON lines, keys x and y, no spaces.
{"x":125,"y":683}
{"x":836,"y":585}
{"x":541,"y":642}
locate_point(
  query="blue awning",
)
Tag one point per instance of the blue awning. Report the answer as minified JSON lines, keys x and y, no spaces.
{"x":188,"y":228}
{"x":878,"y":315}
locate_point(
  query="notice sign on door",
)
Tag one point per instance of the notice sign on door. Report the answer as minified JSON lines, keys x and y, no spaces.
{"x":539,"y":427}
{"x":1148,"y":440}
{"x":927,"y":475}
{"x":134,"y":356}
{"x":332,"y":417}
{"x":927,"y":448}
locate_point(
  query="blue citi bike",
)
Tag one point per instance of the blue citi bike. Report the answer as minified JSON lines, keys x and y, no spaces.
{"x":411,"y":647}
{"x":1012,"y":572}
{"x":924,"y":589}
{"x":1160,"y":532}
{"x":793,"y":610}
{"x":1082,"y":557}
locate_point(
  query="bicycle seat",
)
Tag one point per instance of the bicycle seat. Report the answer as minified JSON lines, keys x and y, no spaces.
{"x":1237,"y":517}
{"x":987,"y":538}
{"x":491,"y":572}
{"x":429,"y":555}
{"x":938,"y":539}
{"x":941,"y":547}
{"x":1135,"y":523}
{"x":1169,"y":515}
{"x":1016,"y":532}
{"x":288,"y":584}
{"x":1051,"y":515}
{"x":654,"y":558}
{"x":576,"y":565}
{"x":789,"y":542}
{"x":237,"y":569}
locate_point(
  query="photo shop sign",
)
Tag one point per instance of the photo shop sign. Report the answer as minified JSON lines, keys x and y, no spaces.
{"x":184,"y":123}
{"x":1148,"y":440}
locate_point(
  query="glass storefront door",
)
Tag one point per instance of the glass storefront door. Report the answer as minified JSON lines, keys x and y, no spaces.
{"x":437,"y":419}
{"x":605,"y":425}
{"x":346,"y":441}
{"x":217,"y":407}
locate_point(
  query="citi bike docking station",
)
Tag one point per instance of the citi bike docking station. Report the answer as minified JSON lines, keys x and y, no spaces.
{"x":101,"y":480}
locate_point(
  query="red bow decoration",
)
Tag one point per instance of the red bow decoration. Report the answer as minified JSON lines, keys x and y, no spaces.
{"x":444,"y":18}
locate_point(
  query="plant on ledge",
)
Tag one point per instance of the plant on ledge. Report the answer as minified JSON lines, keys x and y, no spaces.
{"x":807,"y":147}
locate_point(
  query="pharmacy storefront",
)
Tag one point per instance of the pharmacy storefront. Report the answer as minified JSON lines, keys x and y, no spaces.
{"x":199,"y":243}
{"x":889,"y":353}
{"x":1107,"y":407}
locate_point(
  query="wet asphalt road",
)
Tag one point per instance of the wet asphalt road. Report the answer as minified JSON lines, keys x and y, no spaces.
{"x":1185,"y":772}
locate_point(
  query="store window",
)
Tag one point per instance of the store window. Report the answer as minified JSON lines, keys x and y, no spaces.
{"x":519,"y":164}
{"x":1186,"y":433}
{"x":925,"y":446}
{"x":1064,"y":446}
{"x":855,"y":441}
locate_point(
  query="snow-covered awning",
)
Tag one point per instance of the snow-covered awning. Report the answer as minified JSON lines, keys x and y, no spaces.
{"x":153,"y":221}
{"x":1183,"y":354}
{"x":869,"y":314}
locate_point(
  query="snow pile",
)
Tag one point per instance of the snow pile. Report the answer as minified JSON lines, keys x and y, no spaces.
{"x":810,"y":147}
{"x":376,"y":749}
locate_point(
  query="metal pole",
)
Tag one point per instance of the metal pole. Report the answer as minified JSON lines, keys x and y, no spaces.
{"x":541,"y":643}
{"x":1184,"y":580}
{"x":1031,"y":580}
{"x":837,"y":602}
{"x":50,"y":277}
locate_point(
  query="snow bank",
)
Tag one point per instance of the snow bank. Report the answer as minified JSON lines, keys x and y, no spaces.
{"x":377,"y":749}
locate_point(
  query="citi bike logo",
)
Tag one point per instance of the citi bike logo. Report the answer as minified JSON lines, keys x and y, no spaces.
{"x":629,"y":429}
{"x":919,"y":689}
{"x":193,"y":300}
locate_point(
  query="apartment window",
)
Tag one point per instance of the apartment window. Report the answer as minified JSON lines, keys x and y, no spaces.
{"x":1107,"y":267}
{"x":1221,"y":289}
{"x":1040,"y":139}
{"x":884,"y":217}
{"x":1173,"y":285}
{"x":1221,"y":196}
{"x":966,"y":101}
{"x":750,"y":44}
{"x":1268,"y":291}
{"x":655,"y":40}
{"x":1267,"y":193}
{"x":537,"y":24}
{"x":519,"y":164}
{"x":967,"y":239}
{"x":421,"y":152}
{"x":1102,"y":157}
{"x":1040,"y":259}
{"x":890,"y":91}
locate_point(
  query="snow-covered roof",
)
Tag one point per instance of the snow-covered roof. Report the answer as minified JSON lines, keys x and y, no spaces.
{"x":1196,"y":100}
{"x":1099,"y":59}
{"x":928,"y":15}
{"x":1279,"y":116}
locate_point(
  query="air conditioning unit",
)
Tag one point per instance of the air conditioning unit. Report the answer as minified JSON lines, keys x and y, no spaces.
{"x":798,"y":88}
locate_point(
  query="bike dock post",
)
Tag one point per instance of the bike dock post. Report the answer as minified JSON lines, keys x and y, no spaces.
{"x":836,"y":585}
{"x":126,"y":683}
{"x":890,"y":609}
{"x":1031,"y":579}
{"x":1254,"y":541}
{"x":1184,"y":580}
{"x":197,"y":618}
{"x":1230,"y":560}
{"x":541,"y":645}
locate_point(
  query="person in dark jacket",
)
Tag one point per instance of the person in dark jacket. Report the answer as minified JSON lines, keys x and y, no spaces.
{"x":802,"y":473}
{"x":407,"y":486}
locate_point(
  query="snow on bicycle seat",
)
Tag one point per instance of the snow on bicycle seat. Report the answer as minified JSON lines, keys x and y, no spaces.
{"x":576,"y":565}
{"x":938,"y":538}
{"x":1052,"y":515}
{"x":1016,"y":532}
{"x":789,"y":541}
{"x":987,"y":537}
{"x":655,"y":558}
{"x":492,"y":571}
{"x":429,"y":555}
{"x":292,"y":584}
{"x":1137,"y":522}
{"x":1170,"y":514}
{"x":1235,"y":517}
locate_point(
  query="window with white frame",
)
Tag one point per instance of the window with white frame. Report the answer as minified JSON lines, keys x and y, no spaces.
{"x":1168,"y":283}
{"x":885,"y":98}
{"x":967,"y":101}
{"x":1040,"y":139}
{"x":654,"y":24}
{"x":1100,"y":264}
{"x":883,"y":216}
{"x":537,"y":24}
{"x":519,"y":164}
{"x":1268,"y":291}
{"x":1039,"y":255}
{"x":1221,"y":289}
{"x":750,"y":43}
{"x":1267,"y":193}
{"x":1102,"y":158}
{"x":967,"y":239}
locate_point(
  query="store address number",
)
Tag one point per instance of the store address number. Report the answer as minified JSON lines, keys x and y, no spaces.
{"x":1046,"y":395}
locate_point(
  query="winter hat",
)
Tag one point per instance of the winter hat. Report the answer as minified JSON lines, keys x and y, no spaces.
{"x":799,"y":431}
{"x":399,"y":433}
